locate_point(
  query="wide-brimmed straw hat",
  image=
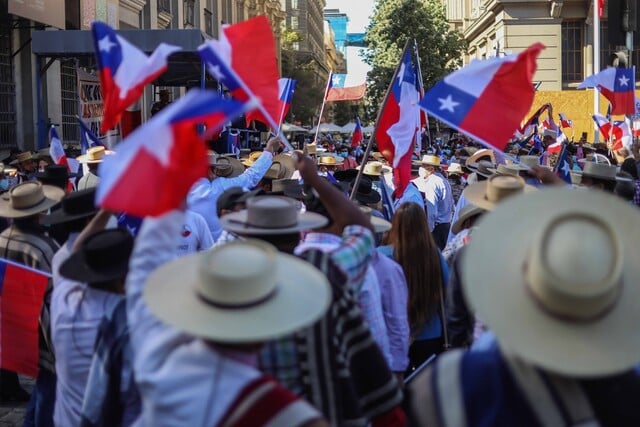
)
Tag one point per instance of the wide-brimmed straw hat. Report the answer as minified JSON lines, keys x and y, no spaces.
{"x":94,"y":155}
{"x":103,"y":257}
{"x":73,"y":206}
{"x":481,"y":153}
{"x":511,"y":169}
{"x":487,"y":194}
{"x":380,"y":225}
{"x":529,"y":161}
{"x":455,"y":169}
{"x":310,"y":149}
{"x":601,"y":171}
{"x":329,"y":160}
{"x":253,"y":156}
{"x":430,"y":160}
{"x":227,"y":166}
{"x":23,"y":157}
{"x":29,"y":198}
{"x":374,"y":169}
{"x":467,"y":212}
{"x":271,"y":215}
{"x":483,"y":167}
{"x":562,"y":292}
{"x":241,"y":292}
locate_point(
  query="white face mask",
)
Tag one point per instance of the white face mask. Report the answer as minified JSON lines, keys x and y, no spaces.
{"x":422,"y":173}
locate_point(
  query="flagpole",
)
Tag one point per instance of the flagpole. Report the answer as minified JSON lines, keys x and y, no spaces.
{"x":596,"y":62}
{"x":356,"y":183}
{"x":324,"y":99}
{"x":284,"y":106}
{"x":421,"y":112}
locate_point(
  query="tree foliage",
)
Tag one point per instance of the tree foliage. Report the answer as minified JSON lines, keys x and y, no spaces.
{"x":392,"y":23}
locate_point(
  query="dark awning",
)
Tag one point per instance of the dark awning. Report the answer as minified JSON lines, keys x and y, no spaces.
{"x":184,"y":66}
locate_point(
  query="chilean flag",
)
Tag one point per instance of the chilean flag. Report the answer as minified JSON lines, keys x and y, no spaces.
{"x":603,"y":124}
{"x":562,"y":167}
{"x":556,"y":147}
{"x":244,"y":61}
{"x":619,"y":132}
{"x":345,"y":87}
{"x":88,"y":139}
{"x":617,"y":85}
{"x":486,"y":99}
{"x":399,"y":120}
{"x":564,"y":122}
{"x":124,"y":71}
{"x":286,"y":88}
{"x":59,"y":157}
{"x":165,"y":153}
{"x":356,"y":138}
{"x":21,"y":294}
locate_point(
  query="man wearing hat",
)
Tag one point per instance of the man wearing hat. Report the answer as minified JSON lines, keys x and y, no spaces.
{"x":26,"y":164}
{"x":93,"y":157}
{"x":197,"y":322}
{"x":203,"y":195}
{"x":57,"y":175}
{"x":565,"y":320}
{"x":358,"y":386}
{"x":25,"y":242}
{"x":437,"y":193}
{"x":600,"y":176}
{"x":456,"y":180}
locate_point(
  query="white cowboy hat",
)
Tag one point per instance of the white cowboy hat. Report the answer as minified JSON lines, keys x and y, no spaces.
{"x":94,"y":155}
{"x":271,"y":215}
{"x":487,"y":194}
{"x":430,"y":160}
{"x":601,"y":171}
{"x":29,"y":198}
{"x":455,"y":168}
{"x":375,"y":169}
{"x":329,"y":160}
{"x":241,"y":292}
{"x":484,"y":152}
{"x":563,"y":290}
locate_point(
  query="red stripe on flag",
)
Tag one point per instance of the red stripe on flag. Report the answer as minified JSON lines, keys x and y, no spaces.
{"x":21,"y":295}
{"x":346,"y":93}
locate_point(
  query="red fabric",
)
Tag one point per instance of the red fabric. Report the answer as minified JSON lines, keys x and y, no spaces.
{"x":21,"y":295}
{"x":346,"y":93}
{"x":621,"y":102}
{"x":394,"y":418}
{"x":130,"y":121}
{"x":270,"y":398}
{"x":511,"y":82}
{"x":253,"y":58}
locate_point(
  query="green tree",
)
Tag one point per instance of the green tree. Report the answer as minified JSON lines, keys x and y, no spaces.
{"x":395,"y":21}
{"x":343,"y":112}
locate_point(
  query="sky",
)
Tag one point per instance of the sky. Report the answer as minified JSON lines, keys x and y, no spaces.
{"x":358,"y":12}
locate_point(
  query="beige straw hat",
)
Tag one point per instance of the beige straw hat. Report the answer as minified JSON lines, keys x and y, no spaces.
{"x":29,"y":198}
{"x":329,"y":160}
{"x":241,"y":292}
{"x":486,"y":194}
{"x":562,"y":291}
{"x":600,"y":171}
{"x":375,"y":169}
{"x":430,"y":160}
{"x":94,"y":155}
{"x":485,"y":152}
{"x":468,"y":211}
{"x":271,"y":215}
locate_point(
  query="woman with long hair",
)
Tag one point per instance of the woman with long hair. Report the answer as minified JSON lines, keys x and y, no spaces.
{"x":411,"y":244}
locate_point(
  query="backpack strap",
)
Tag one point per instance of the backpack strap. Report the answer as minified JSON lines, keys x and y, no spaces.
{"x":572,"y":407}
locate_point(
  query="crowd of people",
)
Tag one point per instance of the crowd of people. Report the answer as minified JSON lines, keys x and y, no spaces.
{"x":302,"y":289}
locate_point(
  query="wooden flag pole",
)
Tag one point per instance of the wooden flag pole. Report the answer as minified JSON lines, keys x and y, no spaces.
{"x":324,"y":100}
{"x":356,"y":183}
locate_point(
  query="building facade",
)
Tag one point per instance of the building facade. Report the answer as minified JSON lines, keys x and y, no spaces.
{"x":502,"y":27}
{"x":28,"y":85}
{"x":338,"y":22}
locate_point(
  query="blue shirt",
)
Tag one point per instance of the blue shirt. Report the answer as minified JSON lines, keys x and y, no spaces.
{"x":203,"y":196}
{"x":411,"y":194}
{"x":437,"y":193}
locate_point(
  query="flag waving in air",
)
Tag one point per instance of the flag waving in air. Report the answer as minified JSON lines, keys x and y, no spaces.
{"x":244,"y":61}
{"x":617,"y":85}
{"x":59,"y":157}
{"x":356,"y":138}
{"x":564,"y":122}
{"x":563,"y":170}
{"x":487,"y":99}
{"x":286,"y":88}
{"x":21,"y":293}
{"x":166,"y":151}
{"x":619,"y":132}
{"x":345,"y":87}
{"x":88,"y":139}
{"x":124,"y":71}
{"x":399,"y":120}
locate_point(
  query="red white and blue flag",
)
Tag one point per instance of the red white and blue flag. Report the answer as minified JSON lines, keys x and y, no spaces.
{"x":167,"y":152}
{"x":88,"y":139}
{"x":565,"y":122}
{"x":486,"y":99}
{"x":286,"y":88}
{"x":244,"y":61}
{"x":531,"y":125}
{"x":59,"y":157}
{"x":617,"y":85}
{"x":399,"y":120}
{"x":356,"y":138}
{"x":619,"y":133}
{"x":124,"y":71}
{"x":561,"y":141}
{"x":563,"y":170}
{"x":345,"y":87}
{"x":21,"y":293}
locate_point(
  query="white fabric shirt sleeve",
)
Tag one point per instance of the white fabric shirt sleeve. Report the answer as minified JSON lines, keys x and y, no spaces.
{"x":252,"y":176}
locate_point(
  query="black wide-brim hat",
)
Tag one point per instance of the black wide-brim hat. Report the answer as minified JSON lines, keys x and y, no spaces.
{"x":345,"y":175}
{"x":103,"y":257}
{"x":76,"y":205}
{"x":54,"y":173}
{"x":365,"y":194}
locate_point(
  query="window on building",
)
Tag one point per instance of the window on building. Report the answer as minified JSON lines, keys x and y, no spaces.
{"x":606,"y":50}
{"x":164,"y":6}
{"x":69,"y":99}
{"x":294,"y":4}
{"x":296,"y":45}
{"x":215,"y":18}
{"x":189,"y":12}
{"x":294,"y":22}
{"x":8,"y":129}
{"x":208,"y":22}
{"x":572,"y":51}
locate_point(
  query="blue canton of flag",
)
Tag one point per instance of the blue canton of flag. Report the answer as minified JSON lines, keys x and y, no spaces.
{"x":562,"y":167}
{"x":88,"y":139}
{"x":537,"y":143}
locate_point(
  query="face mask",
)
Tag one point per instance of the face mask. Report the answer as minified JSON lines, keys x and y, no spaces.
{"x":344,"y":154}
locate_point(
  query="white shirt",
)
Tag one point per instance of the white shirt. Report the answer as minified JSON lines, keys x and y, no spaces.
{"x":88,"y":180}
{"x":195,"y":234}
{"x":76,"y":314}
{"x":203,"y":196}
{"x":437,"y":193}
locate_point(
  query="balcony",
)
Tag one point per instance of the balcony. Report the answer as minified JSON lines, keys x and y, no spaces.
{"x":164,"y":14}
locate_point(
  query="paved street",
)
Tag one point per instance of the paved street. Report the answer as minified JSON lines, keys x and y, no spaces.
{"x":12,"y":414}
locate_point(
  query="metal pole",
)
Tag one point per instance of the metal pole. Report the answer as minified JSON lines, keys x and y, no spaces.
{"x":41,"y":131}
{"x":375,"y":128}
{"x":596,"y":64}
{"x":324,"y":99}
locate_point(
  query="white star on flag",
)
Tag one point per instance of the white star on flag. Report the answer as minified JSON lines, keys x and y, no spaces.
{"x":565,"y":167}
{"x":335,"y":80}
{"x":448,"y":104}
{"x":105,"y":44}
{"x":624,"y":81}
